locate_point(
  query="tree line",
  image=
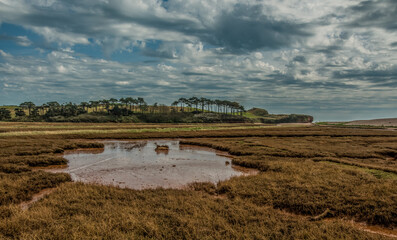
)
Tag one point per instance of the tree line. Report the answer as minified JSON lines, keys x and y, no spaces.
{"x":123,"y":107}
{"x":209,"y":105}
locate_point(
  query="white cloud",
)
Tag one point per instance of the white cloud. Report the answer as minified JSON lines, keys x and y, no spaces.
{"x":23,"y":41}
{"x":178,"y":48}
{"x":122,"y":83}
{"x":61,"y":69}
{"x":163,"y":83}
{"x":4,"y":54}
{"x":55,"y":35}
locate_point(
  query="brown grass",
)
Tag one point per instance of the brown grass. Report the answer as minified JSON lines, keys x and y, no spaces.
{"x":18,"y":187}
{"x":369,"y":151}
{"x":297,"y":177}
{"x":78,"y":211}
{"x":17,"y":180}
{"x":291,"y":180}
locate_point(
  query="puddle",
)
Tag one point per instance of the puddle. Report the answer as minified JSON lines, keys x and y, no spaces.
{"x":150,"y":164}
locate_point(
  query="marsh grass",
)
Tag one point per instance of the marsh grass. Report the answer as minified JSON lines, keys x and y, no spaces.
{"x":375,"y":172}
{"x":291,"y":180}
{"x":18,"y":187}
{"x":18,"y":181}
{"x":296,"y":183}
{"x":79,"y":211}
{"x":115,"y":131}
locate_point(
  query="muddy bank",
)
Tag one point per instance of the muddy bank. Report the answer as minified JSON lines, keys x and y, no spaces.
{"x":150,"y":164}
{"x":36,"y":197}
{"x":387,"y":122}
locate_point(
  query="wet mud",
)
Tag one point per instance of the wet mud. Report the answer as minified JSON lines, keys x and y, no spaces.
{"x":142,"y":164}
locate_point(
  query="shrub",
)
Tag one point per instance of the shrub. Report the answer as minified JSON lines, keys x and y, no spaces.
{"x":5,"y":114}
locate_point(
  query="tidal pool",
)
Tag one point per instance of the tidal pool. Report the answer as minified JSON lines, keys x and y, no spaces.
{"x":140,"y":164}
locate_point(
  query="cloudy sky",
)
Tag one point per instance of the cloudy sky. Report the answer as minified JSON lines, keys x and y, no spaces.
{"x":334,"y":59}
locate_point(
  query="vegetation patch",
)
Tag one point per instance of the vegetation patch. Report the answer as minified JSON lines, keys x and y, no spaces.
{"x":296,"y":183}
{"x":95,"y":212}
{"x":131,"y":110}
{"x":376,"y":172}
{"x":292,"y":181}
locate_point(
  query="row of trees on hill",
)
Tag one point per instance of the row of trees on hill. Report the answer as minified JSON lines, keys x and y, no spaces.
{"x":122,"y":107}
{"x":205,"y":104}
{"x":55,"y":108}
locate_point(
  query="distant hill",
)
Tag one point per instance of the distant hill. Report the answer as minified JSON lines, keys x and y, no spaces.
{"x":150,"y":114}
{"x":375,"y":122}
{"x":263,"y":116}
{"x":258,"y":112}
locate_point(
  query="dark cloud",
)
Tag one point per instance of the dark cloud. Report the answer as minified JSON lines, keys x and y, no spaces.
{"x":345,"y":35}
{"x":159,"y":53}
{"x":276,"y":54}
{"x":194,"y":74}
{"x":379,"y":13}
{"x":300,"y":59}
{"x":246,"y":28}
{"x":202,"y":84}
{"x":20,"y":40}
{"x":289,"y":80}
{"x":389,"y":84}
{"x":380,"y":77}
{"x":243,"y":29}
{"x":258,"y":80}
{"x":185,"y":26}
{"x":366,"y":73}
{"x":151,"y":61}
{"x":329,"y":50}
{"x":99,"y":21}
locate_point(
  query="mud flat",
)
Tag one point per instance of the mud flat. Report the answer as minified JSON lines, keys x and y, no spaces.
{"x":140,"y":165}
{"x":386,"y":122}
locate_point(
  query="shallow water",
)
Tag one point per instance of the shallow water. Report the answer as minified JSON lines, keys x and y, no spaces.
{"x":137,"y":165}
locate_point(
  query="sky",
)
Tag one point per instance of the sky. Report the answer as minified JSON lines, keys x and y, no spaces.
{"x":333,"y":59}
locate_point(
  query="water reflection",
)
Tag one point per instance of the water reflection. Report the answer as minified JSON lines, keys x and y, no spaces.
{"x":142,"y":164}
